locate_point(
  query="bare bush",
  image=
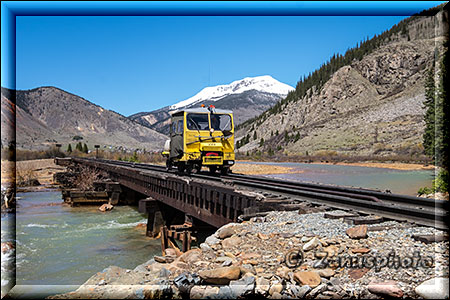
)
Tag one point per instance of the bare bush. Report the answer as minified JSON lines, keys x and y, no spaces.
{"x":86,"y":177}
{"x":26,"y":178}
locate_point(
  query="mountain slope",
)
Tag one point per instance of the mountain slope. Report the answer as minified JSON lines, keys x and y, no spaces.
{"x":247,"y":98}
{"x":372,"y":105}
{"x":47,"y":115}
{"x":266,"y":84}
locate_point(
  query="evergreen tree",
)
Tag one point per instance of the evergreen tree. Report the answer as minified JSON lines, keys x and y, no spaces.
{"x":134,"y":158}
{"x":261,"y":142}
{"x":255,"y":136}
{"x":69,"y":148}
{"x":429,"y":103}
{"x":79,"y":147}
{"x":441,"y":118}
{"x":85,"y":148}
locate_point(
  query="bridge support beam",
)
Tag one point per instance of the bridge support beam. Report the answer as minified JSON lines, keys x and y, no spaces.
{"x":155,"y":220}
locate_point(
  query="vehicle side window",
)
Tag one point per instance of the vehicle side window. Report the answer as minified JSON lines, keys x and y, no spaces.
{"x":173,"y":128}
{"x":180,"y":126}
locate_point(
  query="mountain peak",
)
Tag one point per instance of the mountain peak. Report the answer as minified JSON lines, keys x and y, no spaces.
{"x":265,"y":83}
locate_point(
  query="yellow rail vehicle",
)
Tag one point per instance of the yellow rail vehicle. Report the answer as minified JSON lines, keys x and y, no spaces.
{"x":201,"y":137}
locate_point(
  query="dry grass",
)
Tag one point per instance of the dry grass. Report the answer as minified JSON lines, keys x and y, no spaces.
{"x":40,"y":169}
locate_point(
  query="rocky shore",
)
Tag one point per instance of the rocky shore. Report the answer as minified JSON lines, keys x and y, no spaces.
{"x":287,"y":255}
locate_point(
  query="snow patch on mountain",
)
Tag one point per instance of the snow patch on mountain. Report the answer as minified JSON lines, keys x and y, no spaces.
{"x":264,"y":83}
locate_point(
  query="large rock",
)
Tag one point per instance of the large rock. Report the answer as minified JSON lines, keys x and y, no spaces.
{"x":300,"y":292}
{"x":221,"y":275}
{"x":317,"y":290}
{"x":386,"y":288}
{"x":357,"y":232}
{"x":311,"y":244}
{"x":203,"y":292}
{"x":262,"y":286}
{"x":231,"y":242}
{"x":276,"y":287}
{"x":226,"y":231}
{"x":7,"y":247}
{"x":242,"y":287}
{"x":435,"y":288}
{"x":105,"y":207}
{"x":310,"y":278}
{"x":191,"y":256}
{"x":212,"y":240}
{"x":327,"y":273}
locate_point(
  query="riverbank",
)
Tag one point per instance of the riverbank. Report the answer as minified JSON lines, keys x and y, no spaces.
{"x":249,"y":259}
{"x":40,"y":169}
{"x":384,"y":165}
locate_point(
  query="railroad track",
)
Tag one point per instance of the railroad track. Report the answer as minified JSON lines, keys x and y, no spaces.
{"x":422,"y":211}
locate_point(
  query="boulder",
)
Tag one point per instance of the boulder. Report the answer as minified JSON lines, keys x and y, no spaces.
{"x":191,"y":256}
{"x":311,"y":244}
{"x":332,"y":250}
{"x":435,"y":288}
{"x":242,"y":287}
{"x":387,"y":288}
{"x":210,"y":292}
{"x":357,"y":232}
{"x":357,"y":273}
{"x":277,"y":287}
{"x":7,"y":247}
{"x":224,"y":293}
{"x":262,"y":286}
{"x":221,"y":275}
{"x":361,"y":250}
{"x":197,"y":292}
{"x":317,"y":290}
{"x":300,"y":292}
{"x":212,"y":240}
{"x":105,"y":207}
{"x":163,"y":259}
{"x":310,"y":278}
{"x":225,"y":232}
{"x":231,"y":242}
{"x":205,"y":247}
{"x":224,"y":260}
{"x":327,"y":273}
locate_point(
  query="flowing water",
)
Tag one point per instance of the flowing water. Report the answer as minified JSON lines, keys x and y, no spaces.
{"x":397,"y":181}
{"x":60,"y":245}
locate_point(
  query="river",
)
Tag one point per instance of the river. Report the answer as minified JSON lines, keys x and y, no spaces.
{"x":58,"y":245}
{"x":397,"y":181}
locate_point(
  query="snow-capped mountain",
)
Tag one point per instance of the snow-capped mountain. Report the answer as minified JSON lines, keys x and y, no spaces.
{"x":247,"y":98}
{"x":266,"y":84}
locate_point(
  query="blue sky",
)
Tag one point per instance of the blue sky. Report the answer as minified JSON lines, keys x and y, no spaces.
{"x":133,"y":64}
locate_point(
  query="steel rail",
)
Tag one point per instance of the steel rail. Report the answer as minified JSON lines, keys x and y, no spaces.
{"x":429,"y":212}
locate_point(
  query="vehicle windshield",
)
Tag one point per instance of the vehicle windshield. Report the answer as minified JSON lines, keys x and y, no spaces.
{"x":221,"y":122}
{"x":197,"y":122}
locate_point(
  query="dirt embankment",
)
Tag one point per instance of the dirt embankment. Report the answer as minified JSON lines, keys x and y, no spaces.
{"x":40,"y":169}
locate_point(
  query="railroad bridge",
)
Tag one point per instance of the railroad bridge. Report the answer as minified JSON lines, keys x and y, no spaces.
{"x":215,"y":201}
